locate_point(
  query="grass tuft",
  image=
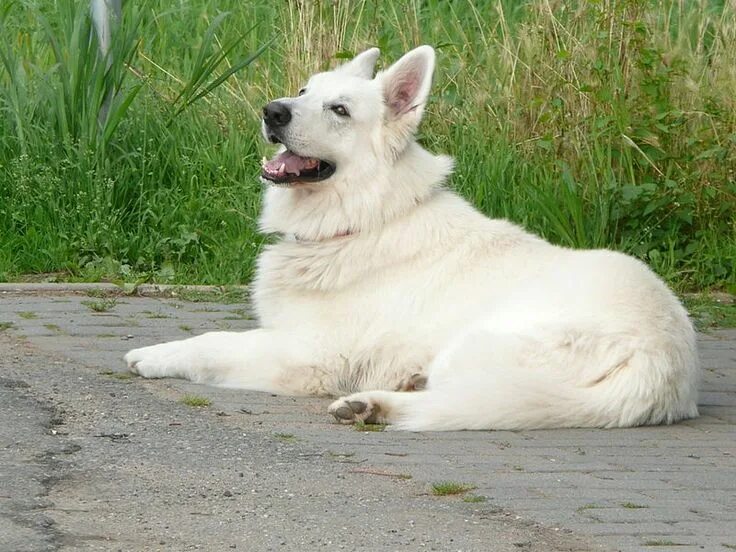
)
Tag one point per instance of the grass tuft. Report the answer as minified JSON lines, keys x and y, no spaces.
{"x":286,"y":437}
{"x":633,"y":506}
{"x":123,"y":376}
{"x":155,"y":315}
{"x":446,"y":488}
{"x":588,"y":507}
{"x":103,"y":305}
{"x":474,"y":498}
{"x":362,"y":426}
{"x":28,"y":315}
{"x":54,"y":328}
{"x":97,"y":293}
{"x":195,"y":401}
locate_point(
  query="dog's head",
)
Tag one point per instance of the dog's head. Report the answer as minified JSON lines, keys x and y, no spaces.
{"x":342,"y":118}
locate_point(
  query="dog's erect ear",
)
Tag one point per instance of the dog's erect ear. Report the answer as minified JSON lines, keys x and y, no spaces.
{"x":361,"y":65}
{"x":405,"y":87}
{"x":406,"y":83}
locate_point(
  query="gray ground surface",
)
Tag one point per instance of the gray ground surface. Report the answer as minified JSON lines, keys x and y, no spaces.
{"x":93,"y":460}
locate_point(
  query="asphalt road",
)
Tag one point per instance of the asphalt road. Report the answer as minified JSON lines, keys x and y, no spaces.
{"x":91,"y":459}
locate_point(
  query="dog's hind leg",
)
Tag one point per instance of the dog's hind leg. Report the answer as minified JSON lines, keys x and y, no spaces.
{"x":374,"y":407}
{"x":258,"y":360}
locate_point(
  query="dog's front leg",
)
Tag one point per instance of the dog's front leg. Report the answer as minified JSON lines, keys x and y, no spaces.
{"x":259,"y":360}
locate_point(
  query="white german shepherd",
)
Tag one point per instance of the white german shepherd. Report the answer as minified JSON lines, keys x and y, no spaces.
{"x":385,"y":282}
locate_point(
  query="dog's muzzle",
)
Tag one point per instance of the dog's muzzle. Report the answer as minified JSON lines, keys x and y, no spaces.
{"x":288,"y":167}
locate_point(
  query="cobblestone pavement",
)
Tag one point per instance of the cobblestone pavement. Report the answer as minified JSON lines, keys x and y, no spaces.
{"x":654,"y":488}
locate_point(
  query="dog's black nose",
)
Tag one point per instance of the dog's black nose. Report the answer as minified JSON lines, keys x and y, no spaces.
{"x":276,"y":114}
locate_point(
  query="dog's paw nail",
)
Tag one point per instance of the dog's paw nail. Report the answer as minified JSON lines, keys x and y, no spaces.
{"x":357,"y":407}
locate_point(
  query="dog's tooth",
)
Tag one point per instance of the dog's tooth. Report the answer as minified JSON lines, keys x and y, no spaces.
{"x":282,"y":168}
{"x":264,"y":160}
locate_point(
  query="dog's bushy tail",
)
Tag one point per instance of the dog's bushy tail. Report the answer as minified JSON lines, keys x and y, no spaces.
{"x":564,"y":379}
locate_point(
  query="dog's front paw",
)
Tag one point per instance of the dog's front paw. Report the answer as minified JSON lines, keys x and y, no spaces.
{"x":158,"y":361}
{"x":349,"y":410}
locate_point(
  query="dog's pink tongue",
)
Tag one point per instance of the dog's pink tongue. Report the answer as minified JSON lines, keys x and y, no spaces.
{"x":289,"y":163}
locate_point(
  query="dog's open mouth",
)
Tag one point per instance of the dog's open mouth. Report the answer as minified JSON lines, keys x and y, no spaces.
{"x":288,"y":167}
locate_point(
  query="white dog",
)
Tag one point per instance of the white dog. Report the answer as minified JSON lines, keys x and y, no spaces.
{"x":386,"y":282}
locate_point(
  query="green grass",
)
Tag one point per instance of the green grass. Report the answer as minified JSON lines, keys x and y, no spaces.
{"x":195,"y":401}
{"x":27,"y":315}
{"x":155,"y":315}
{"x":333,"y":454}
{"x":238,"y":314}
{"x":588,"y":507}
{"x":598,"y":124}
{"x":362,"y":426}
{"x":224,"y":295}
{"x":446,"y":488}
{"x":632,"y":506}
{"x":5,"y":326}
{"x":285,"y":437}
{"x":104,"y":305}
{"x":709,"y":311}
{"x":54,"y":328}
{"x":97,"y":293}
{"x":123,"y":376}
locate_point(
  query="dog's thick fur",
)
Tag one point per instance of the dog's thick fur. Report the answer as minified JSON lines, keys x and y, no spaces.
{"x":385,"y":281}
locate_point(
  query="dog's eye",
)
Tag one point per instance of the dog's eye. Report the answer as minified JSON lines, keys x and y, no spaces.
{"x":340,"y":110}
{"x":302,"y":92}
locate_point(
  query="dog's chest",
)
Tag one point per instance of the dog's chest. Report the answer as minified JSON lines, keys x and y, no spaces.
{"x":332,"y":287}
{"x":296,"y":267}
